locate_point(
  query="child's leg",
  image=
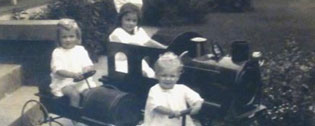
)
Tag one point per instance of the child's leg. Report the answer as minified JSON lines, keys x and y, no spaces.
{"x":73,"y":94}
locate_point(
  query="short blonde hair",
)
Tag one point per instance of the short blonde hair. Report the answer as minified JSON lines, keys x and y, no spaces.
{"x":168,"y":60}
{"x":69,"y":24}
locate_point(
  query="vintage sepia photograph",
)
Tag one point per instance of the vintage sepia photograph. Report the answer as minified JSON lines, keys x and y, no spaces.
{"x":157,"y":63}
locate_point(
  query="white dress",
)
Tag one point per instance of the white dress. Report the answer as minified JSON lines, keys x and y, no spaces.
{"x":73,"y":60}
{"x":140,"y":37}
{"x":175,"y":99}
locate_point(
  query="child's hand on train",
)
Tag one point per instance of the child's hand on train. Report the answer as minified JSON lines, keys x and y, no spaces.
{"x":196,"y":107}
{"x":77,"y":76}
{"x":88,"y":69}
{"x":176,"y":114}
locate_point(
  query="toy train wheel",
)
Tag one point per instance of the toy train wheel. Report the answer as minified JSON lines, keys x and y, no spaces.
{"x":248,"y":86}
{"x":34,"y":114}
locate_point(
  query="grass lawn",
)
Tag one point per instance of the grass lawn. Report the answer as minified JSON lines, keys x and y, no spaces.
{"x":267,"y":27}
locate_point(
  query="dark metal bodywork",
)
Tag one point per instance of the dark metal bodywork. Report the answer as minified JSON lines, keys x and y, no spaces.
{"x":133,"y":81}
{"x":225,"y":85}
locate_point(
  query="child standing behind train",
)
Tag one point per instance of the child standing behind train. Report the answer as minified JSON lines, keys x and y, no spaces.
{"x":128,"y":32}
{"x":68,"y":62}
{"x":167,"y":98}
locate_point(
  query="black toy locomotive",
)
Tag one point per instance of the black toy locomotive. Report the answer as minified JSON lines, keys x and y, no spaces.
{"x":230,"y":85}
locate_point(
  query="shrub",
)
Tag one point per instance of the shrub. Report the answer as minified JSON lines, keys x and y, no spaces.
{"x":289,"y":90}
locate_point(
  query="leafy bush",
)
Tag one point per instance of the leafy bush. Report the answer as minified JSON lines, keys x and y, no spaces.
{"x":96,"y":20}
{"x":289,"y":90}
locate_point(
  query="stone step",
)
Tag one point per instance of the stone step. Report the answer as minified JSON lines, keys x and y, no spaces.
{"x":11,"y":106}
{"x":28,"y":30}
{"x":10,"y":78}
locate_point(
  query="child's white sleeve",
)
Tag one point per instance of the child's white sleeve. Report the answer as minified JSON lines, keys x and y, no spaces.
{"x":147,"y":69}
{"x":144,"y":35}
{"x":56,"y":61}
{"x":191,"y":96}
{"x":86,"y":61}
{"x":119,"y":35}
{"x":114,"y":38}
{"x":154,"y":100}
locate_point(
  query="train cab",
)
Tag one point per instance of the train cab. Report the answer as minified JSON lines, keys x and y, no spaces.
{"x":127,"y":66}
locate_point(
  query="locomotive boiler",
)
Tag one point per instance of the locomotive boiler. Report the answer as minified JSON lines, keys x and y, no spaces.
{"x":229,"y":83}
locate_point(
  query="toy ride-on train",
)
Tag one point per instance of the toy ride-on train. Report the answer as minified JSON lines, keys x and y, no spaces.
{"x":230,"y":84}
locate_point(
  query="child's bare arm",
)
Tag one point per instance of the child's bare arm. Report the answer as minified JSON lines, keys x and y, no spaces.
{"x":115,"y":38}
{"x":88,"y":68}
{"x":154,"y":43}
{"x":68,"y":74}
{"x":166,"y":111}
{"x":196,"y":107}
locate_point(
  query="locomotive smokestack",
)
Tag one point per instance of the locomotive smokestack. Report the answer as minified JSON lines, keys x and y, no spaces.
{"x":199,"y":44}
{"x":239,"y":51}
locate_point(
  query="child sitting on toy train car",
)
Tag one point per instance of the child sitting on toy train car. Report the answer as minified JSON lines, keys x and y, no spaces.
{"x":167,"y":98}
{"x":68,"y":62}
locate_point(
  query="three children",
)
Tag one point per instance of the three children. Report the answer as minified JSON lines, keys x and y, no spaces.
{"x":167,"y":98}
{"x":68,"y":62}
